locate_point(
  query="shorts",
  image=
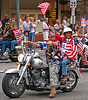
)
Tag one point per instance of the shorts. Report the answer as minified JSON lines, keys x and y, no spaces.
{"x":45,"y":35}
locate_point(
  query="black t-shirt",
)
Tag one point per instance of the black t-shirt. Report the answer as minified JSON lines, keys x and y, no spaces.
{"x":10,"y":35}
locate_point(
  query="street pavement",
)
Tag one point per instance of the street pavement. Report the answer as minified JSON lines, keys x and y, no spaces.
{"x":79,"y":93}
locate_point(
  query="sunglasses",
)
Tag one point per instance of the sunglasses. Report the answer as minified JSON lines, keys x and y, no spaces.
{"x":51,"y":36}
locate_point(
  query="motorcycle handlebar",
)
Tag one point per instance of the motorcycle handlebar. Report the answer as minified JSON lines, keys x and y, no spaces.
{"x":38,"y":43}
{"x":34,"y":45}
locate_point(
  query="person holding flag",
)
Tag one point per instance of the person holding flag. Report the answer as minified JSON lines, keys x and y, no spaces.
{"x":46,"y":27}
{"x":69,"y":54}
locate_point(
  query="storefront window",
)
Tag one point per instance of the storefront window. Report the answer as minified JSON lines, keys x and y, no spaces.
{"x":22,"y":16}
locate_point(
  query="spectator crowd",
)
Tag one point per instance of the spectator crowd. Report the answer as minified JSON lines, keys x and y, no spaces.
{"x":11,"y":35}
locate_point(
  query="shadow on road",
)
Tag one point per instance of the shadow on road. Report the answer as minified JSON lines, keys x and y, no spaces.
{"x":84,"y":70}
{"x":6,"y":61}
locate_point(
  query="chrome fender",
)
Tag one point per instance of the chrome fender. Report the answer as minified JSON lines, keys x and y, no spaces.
{"x":76,"y":70}
{"x":13,"y":71}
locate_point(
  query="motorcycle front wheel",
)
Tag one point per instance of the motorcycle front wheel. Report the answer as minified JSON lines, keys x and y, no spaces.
{"x":10,"y":88}
{"x":72,"y":80}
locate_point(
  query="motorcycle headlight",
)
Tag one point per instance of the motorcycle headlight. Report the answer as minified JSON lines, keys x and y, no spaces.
{"x":20,"y":57}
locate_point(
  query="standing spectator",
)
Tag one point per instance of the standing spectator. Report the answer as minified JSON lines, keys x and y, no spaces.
{"x":45,"y":27}
{"x":26,"y":25}
{"x":9,"y":20}
{"x":76,"y":23}
{"x":65,"y":22}
{"x":58,"y":27}
{"x":32,"y":31}
{"x":4,"y":21}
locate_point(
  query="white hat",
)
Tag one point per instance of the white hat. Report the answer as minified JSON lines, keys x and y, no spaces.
{"x":67,"y":29}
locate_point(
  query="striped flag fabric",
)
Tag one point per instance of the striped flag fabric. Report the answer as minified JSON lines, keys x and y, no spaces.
{"x":44,"y":7}
{"x":81,"y":47}
{"x":71,"y":50}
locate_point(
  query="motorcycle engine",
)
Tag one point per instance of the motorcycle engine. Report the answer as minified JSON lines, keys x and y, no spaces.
{"x":40,"y":77}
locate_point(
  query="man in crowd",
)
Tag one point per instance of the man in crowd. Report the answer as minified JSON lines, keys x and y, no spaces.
{"x":58,"y":27}
{"x":4,"y":21}
{"x":26,"y":25}
{"x":45,"y":27}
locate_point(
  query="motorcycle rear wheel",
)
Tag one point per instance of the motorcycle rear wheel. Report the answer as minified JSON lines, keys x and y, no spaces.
{"x":10,"y":88}
{"x":72,"y":80}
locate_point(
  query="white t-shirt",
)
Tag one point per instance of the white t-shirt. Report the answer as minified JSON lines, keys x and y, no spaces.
{"x":44,"y":25}
{"x":32,"y":28}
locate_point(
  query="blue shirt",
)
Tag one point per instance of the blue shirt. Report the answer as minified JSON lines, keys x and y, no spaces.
{"x":23,"y":38}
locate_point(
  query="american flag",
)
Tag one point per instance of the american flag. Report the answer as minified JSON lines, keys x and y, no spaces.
{"x":81,"y":47}
{"x":71,"y":50}
{"x":44,"y":7}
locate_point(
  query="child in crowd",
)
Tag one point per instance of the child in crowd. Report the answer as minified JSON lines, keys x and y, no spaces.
{"x":25,"y":38}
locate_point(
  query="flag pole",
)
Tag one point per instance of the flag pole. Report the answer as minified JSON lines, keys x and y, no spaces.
{"x":83,"y":29}
{"x":44,"y":16}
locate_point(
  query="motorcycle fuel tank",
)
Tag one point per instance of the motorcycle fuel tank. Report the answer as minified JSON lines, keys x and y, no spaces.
{"x":37,"y":63}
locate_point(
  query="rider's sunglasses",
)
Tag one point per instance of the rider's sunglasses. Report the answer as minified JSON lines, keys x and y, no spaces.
{"x":51,"y":36}
{"x":68,"y":33}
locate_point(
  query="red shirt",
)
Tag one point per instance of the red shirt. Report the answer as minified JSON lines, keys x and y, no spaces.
{"x":17,"y":34}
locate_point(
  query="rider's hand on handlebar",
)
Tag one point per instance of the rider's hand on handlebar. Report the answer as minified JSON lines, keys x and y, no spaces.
{"x":65,"y":57}
{"x":49,"y":43}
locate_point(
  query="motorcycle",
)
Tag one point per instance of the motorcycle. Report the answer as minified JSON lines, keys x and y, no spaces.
{"x":32,"y":73}
{"x":83,"y":59}
{"x":8,"y":54}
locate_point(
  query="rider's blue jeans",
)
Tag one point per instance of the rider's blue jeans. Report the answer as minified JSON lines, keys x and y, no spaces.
{"x":4,"y":44}
{"x":32,"y":39}
{"x":13,"y":43}
{"x":0,"y":41}
{"x":64,"y":67}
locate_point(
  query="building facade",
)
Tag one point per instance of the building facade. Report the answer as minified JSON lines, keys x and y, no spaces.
{"x":29,"y":7}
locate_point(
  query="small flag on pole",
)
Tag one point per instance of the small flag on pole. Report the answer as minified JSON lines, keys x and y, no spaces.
{"x":81,"y":47}
{"x":44,"y":7}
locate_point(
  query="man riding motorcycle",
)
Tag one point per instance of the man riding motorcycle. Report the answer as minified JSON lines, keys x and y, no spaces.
{"x":69,"y":53}
{"x":7,"y":37}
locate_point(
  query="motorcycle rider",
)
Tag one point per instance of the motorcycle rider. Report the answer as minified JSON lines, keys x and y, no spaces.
{"x":7,"y":37}
{"x":69,"y":53}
